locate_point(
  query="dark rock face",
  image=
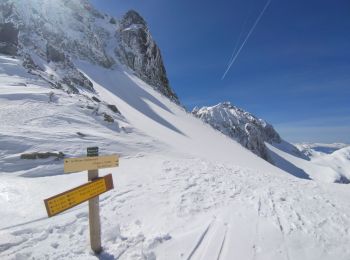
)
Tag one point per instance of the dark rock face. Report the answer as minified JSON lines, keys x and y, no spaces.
{"x":241,"y":126}
{"x":29,"y":64}
{"x":96,"y":99}
{"x":8,"y":38}
{"x":112,"y":21}
{"x":114,"y":109}
{"x":138,"y":50}
{"x":62,"y":31}
{"x":53,"y":54}
{"x":44,"y":155}
{"x":108,"y":118}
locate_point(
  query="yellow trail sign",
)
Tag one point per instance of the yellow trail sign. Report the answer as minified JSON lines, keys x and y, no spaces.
{"x":74,"y":197}
{"x":90,"y":163}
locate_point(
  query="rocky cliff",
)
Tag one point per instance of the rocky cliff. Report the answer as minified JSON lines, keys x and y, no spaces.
{"x":56,"y":34}
{"x":242,"y":126}
{"x":139,"y":51}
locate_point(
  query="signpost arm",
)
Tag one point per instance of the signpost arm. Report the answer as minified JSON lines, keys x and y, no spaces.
{"x":94,"y":214}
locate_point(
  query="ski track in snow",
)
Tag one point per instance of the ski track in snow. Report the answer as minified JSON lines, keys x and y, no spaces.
{"x":200,"y":188}
{"x":167,"y":203}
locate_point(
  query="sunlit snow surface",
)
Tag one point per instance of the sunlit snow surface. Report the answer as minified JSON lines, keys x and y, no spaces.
{"x":182,"y":191}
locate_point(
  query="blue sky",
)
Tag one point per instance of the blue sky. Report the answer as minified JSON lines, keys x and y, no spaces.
{"x":294,"y":70}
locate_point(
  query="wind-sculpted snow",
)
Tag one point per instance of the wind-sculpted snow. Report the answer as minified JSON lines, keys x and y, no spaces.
{"x":240,"y":125}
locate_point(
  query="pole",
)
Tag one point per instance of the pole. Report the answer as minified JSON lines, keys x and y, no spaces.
{"x":94,"y":209}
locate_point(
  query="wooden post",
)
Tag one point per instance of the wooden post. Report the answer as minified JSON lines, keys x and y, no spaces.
{"x":94,"y":209}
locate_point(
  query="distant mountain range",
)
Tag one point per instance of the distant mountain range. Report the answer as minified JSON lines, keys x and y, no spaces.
{"x":242,"y":126}
{"x":50,"y":38}
{"x":262,"y":139}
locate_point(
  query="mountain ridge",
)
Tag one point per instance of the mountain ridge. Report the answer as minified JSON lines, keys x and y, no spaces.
{"x":60,"y":32}
{"x":242,"y":126}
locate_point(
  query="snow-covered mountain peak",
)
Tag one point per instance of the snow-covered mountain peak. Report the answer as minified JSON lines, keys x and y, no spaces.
{"x":205,"y":189}
{"x":314,"y":150}
{"x":132,"y":18}
{"x":62,"y":32}
{"x":240,"y":125}
{"x":140,"y":52}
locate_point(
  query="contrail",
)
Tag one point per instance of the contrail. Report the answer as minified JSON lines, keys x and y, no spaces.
{"x":239,"y":38}
{"x":246,"y":38}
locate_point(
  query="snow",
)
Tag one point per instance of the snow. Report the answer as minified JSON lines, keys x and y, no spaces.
{"x":319,"y":149}
{"x":303,"y":168}
{"x":182,"y":190}
{"x":322,"y":162}
{"x":336,"y":156}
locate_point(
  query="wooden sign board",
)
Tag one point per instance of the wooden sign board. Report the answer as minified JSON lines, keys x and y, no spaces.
{"x":90,"y":163}
{"x":78,"y":195}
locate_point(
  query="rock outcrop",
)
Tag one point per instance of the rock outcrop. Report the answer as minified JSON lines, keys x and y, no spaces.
{"x":240,"y":125}
{"x":8,"y":38}
{"x":138,"y":50}
{"x":61,"y":32}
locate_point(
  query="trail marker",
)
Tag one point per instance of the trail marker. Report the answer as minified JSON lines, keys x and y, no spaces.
{"x":92,"y":151}
{"x":89,"y":191}
{"x":90,"y":163}
{"x":78,"y":195}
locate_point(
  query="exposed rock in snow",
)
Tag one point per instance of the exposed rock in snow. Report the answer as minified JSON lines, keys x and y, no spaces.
{"x":139,"y":51}
{"x":61,"y":32}
{"x":8,"y":39}
{"x":240,"y":125}
{"x":54,"y":55}
{"x":261,"y":138}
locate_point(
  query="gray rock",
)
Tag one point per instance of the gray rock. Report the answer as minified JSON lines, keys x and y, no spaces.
{"x":81,"y":134}
{"x":54,"y":54}
{"x":114,"y":109}
{"x":112,"y":21}
{"x":96,"y":99}
{"x":250,"y":131}
{"x":29,"y":64}
{"x":138,"y":50}
{"x":73,"y":29}
{"x":8,"y":39}
{"x":44,"y":155}
{"x":108,"y":118}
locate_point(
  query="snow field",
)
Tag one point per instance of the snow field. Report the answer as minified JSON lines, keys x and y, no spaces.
{"x":182,"y":191}
{"x":188,"y":208}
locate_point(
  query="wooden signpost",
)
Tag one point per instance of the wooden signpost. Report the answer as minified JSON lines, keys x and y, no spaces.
{"x":90,"y":163}
{"x":89,"y":191}
{"x":78,"y":195}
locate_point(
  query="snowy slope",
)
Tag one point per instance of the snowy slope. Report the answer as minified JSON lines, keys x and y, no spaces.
{"x":321,"y":166}
{"x":313,"y":150}
{"x":58,"y":32}
{"x":261,"y":138}
{"x":335,"y":156}
{"x":182,"y":191}
{"x":241,"y":126}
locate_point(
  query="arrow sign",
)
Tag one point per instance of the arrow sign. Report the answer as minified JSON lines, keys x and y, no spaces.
{"x":71,"y":198}
{"x":90,"y":163}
